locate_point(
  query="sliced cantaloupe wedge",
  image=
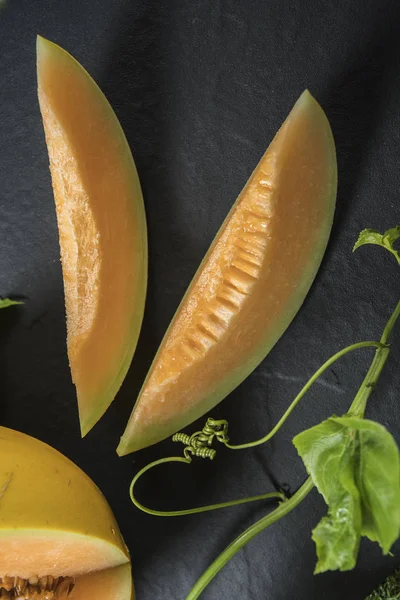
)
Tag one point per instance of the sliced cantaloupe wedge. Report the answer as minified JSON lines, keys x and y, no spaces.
{"x":250,"y":284}
{"x":57,"y":532}
{"x":102,"y":228}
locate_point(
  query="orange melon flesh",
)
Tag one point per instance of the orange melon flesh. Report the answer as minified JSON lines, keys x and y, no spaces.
{"x":113,"y":584}
{"x":102,"y":228}
{"x":34,"y":552}
{"x":250,"y":284}
{"x":53,"y":518}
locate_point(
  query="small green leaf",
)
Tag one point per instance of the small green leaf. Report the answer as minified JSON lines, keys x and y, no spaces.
{"x":386,"y":240}
{"x":368,"y":236}
{"x":355,"y":465}
{"x":5,"y":302}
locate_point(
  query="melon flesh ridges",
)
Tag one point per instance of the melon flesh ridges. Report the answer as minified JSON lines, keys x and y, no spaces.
{"x":250,"y":284}
{"x":102,"y":228}
{"x":53,"y":518}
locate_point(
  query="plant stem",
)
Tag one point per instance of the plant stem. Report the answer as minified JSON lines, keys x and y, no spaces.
{"x":381,"y":355}
{"x":277,"y":514}
{"x":390,"y":324}
{"x":303,"y":391}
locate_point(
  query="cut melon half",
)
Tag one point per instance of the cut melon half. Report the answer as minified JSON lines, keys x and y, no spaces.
{"x":250,"y":284}
{"x":102,"y":228}
{"x":58,"y":535}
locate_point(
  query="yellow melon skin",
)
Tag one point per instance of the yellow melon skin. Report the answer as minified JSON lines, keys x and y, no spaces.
{"x":251,"y":283}
{"x":53,"y":519}
{"x":101,"y":224}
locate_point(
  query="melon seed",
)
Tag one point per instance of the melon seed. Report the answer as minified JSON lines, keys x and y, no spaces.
{"x":35,"y":588}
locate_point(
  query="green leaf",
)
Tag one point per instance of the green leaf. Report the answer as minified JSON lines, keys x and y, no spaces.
{"x":355,"y":465}
{"x":327,"y":451}
{"x":5,"y":302}
{"x":368,"y":236}
{"x":386,"y":240}
{"x":378,"y":480}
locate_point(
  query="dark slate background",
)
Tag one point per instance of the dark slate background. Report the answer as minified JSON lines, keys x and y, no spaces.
{"x":200,"y":88}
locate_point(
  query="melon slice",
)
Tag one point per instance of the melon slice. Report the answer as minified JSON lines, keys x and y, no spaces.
{"x":57,"y":532}
{"x":102,"y":228}
{"x":250,"y":284}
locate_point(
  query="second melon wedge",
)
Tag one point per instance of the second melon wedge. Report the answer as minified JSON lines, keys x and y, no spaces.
{"x":250,"y":284}
{"x":102,"y":228}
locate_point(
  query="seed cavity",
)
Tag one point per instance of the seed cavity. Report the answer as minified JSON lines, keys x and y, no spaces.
{"x":227,"y":303}
{"x":233,"y":287}
{"x":256,"y":239}
{"x":247,"y":274}
{"x":207,"y":333}
{"x":251,"y":257}
{"x":35,"y":588}
{"x":264,"y":218}
{"x":193,"y":348}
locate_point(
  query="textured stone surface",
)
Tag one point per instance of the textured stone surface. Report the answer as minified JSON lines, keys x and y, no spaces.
{"x":200,"y":89}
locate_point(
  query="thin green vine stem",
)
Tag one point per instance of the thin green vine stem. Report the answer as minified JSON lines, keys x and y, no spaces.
{"x":390,"y":324}
{"x":192,"y":511}
{"x":303,"y":391}
{"x":277,"y":514}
